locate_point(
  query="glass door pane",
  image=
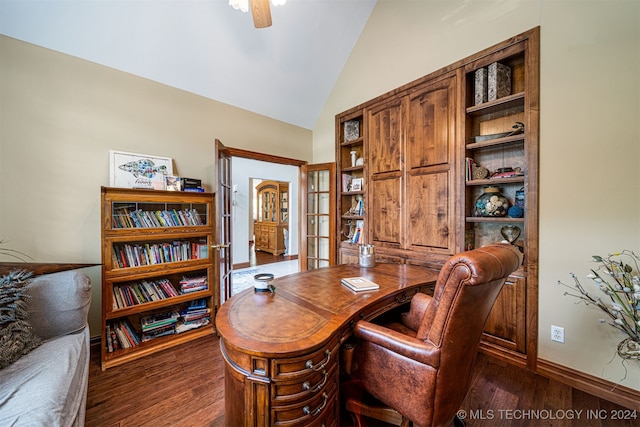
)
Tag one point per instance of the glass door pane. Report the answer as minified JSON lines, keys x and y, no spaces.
{"x":319,"y":250}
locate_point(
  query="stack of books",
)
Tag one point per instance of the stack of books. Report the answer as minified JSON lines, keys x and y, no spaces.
{"x":193,"y":284}
{"x":196,"y":315}
{"x":159,"y":325}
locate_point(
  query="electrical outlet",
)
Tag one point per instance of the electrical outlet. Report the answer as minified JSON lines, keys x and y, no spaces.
{"x":557,"y":333}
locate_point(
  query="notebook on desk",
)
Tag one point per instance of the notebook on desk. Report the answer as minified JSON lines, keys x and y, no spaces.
{"x":359,"y":284}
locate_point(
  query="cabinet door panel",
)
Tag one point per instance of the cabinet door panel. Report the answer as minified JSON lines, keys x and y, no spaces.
{"x":506,"y":322}
{"x":429,"y":207}
{"x":431,"y":129}
{"x":385,"y":204}
{"x":385,"y":127}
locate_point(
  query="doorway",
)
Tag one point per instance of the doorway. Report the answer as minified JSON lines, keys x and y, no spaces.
{"x":246,"y":173}
{"x":268,"y":231}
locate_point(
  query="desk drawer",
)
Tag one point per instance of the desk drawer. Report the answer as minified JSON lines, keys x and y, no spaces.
{"x":303,"y":366}
{"x":303,"y":388}
{"x":320,"y":410}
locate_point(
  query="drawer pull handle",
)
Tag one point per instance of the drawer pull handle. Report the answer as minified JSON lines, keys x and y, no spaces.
{"x":307,"y":386}
{"x":309,"y":363}
{"x":509,"y":282}
{"x":307,"y":409}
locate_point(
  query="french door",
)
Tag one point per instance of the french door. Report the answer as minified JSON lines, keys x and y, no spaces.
{"x":223,"y":224}
{"x":318,"y":183}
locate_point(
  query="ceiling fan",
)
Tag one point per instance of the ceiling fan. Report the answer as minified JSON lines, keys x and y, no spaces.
{"x":260,"y":10}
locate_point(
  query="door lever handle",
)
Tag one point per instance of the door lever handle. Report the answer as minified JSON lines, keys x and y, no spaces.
{"x":219,"y":246}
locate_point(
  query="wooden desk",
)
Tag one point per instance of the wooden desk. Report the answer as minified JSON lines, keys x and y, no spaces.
{"x":282,"y":350}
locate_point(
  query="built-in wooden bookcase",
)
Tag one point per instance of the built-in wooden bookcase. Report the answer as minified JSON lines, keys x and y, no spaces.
{"x":351,"y":154}
{"x":429,"y":149}
{"x":156,"y":261}
{"x":502,"y":134}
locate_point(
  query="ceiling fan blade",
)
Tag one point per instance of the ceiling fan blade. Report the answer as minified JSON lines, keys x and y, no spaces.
{"x":261,"y":13}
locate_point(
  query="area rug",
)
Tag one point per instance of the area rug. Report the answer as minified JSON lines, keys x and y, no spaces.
{"x":243,"y":278}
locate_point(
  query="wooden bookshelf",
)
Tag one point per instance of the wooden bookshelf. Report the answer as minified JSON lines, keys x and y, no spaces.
{"x":152,"y":243}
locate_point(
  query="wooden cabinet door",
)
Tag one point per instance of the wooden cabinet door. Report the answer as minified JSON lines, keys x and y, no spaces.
{"x":431,"y":127}
{"x":386,"y":221}
{"x":506,"y":323}
{"x":385,"y":138}
{"x":386,"y":189}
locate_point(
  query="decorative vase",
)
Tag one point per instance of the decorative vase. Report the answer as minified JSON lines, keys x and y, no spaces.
{"x":353,"y":158}
{"x":491,"y":203}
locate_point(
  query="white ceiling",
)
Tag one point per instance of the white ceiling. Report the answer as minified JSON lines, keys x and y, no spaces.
{"x":285,"y":72}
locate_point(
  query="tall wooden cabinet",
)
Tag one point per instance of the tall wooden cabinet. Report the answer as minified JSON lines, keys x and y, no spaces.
{"x":429,"y":149}
{"x":273,"y":216}
{"x":157,"y":271}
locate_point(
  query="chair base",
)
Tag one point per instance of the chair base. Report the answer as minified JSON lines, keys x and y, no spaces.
{"x":381,"y":413}
{"x":359,"y":404}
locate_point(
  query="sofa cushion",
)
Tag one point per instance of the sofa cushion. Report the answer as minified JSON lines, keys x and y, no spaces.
{"x":47,"y":387}
{"x":59,"y":303}
{"x":16,"y":335}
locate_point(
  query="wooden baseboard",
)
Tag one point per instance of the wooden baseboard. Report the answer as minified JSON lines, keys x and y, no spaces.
{"x":241,"y":265}
{"x":623,"y":396}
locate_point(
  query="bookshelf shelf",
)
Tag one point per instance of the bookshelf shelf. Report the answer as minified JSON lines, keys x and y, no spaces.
{"x":157,"y":264}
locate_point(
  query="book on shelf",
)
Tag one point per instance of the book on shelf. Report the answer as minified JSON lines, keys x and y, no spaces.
{"x":159,"y":325}
{"x":184,"y":326}
{"x":359,"y":284}
{"x":120,"y":335}
{"x":109,"y":338}
{"x":190,"y":183}
{"x":134,"y":293}
{"x":172,"y":183}
{"x":357,"y":235}
{"x":469,"y":166}
{"x":196,"y":315}
{"x":127,"y":217}
{"x":141,"y":254}
{"x":193,"y":284}
{"x":197,"y":304}
{"x":161,"y":331}
{"x":346,"y":182}
{"x":158,"y":320}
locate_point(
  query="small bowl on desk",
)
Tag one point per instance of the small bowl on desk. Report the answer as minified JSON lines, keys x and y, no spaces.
{"x":263,"y":282}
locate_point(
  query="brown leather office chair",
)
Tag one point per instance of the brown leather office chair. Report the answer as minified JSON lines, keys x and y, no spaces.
{"x":422,"y":367}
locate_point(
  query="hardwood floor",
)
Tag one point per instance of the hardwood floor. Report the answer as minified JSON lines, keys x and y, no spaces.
{"x":185,"y":386}
{"x":260,"y":258}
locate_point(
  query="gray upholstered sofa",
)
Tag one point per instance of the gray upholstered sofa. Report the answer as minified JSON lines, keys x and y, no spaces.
{"x":48,"y":386}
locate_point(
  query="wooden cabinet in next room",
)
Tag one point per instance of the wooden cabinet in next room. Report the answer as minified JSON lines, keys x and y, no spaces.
{"x":271,"y":226}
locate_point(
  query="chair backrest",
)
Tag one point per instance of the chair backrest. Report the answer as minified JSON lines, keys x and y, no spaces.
{"x":465,"y":292}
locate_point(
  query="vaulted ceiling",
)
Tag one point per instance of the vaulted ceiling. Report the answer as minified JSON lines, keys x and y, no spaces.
{"x":285,"y":72}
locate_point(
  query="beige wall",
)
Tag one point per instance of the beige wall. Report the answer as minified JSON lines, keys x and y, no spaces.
{"x":590,"y":133}
{"x":60,"y":116}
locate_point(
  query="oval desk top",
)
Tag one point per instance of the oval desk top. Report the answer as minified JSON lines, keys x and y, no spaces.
{"x":308,"y":307}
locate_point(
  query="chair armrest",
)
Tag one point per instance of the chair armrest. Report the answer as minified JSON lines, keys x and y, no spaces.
{"x":419,"y":304}
{"x":404,"y":345}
